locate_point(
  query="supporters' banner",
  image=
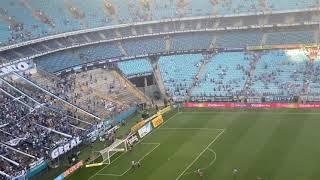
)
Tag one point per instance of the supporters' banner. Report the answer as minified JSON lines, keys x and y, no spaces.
{"x":146,"y":129}
{"x":16,"y":141}
{"x":223,"y":99}
{"x":280,"y":98}
{"x":250,"y":105}
{"x":138,"y":126}
{"x":232,"y":49}
{"x":270,"y":47}
{"x":65,"y":148}
{"x":157,"y":121}
{"x":254,"y":100}
{"x":19,"y":67}
{"x":69,"y":171}
{"x":311,"y":98}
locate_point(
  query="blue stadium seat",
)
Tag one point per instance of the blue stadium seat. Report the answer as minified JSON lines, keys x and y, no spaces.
{"x":178,"y":80}
{"x":137,"y":67}
{"x":279,"y":73}
{"x":303,"y":37}
{"x":78,"y":14}
{"x":144,"y":46}
{"x":224,"y":75}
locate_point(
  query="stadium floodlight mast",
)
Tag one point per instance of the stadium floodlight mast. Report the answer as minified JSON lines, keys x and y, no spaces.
{"x":118,"y":145}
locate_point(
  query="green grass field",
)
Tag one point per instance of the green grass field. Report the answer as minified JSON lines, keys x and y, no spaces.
{"x":274,"y":145}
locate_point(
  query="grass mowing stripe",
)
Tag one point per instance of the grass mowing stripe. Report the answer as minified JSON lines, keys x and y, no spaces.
{"x":192,"y":129}
{"x":208,"y":166}
{"x":200,"y":155}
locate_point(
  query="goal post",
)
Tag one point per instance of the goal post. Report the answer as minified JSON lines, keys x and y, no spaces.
{"x":118,"y":145}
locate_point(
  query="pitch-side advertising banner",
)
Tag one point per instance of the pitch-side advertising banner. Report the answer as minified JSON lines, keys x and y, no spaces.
{"x":138,"y":126}
{"x":164,"y":110}
{"x":157,"y":121}
{"x":250,"y":105}
{"x":69,"y":171}
{"x":146,"y":129}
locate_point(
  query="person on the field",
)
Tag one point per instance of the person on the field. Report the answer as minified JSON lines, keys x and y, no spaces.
{"x":200,"y":173}
{"x":133,"y":165}
{"x":138,"y":164}
{"x":235,"y":172}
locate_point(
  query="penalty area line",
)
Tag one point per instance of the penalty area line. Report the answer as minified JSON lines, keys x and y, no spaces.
{"x":137,"y":143}
{"x":204,"y":168}
{"x":157,"y":145}
{"x":188,"y":167}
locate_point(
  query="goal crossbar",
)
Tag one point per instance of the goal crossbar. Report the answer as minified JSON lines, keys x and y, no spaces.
{"x":118,"y":145}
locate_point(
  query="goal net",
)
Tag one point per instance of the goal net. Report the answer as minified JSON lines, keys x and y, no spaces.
{"x":117,"y":146}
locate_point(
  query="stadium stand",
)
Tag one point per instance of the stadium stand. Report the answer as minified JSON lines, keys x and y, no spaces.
{"x":239,"y":39}
{"x":30,"y":129}
{"x":192,"y":41}
{"x":40,"y":111}
{"x":305,"y":37}
{"x":85,"y":89}
{"x":134,"y":68}
{"x":144,"y":46}
{"x":31,"y":19}
{"x":224,"y":75}
{"x":176,"y":79}
{"x":70,"y":58}
{"x":278,"y":73}
{"x":313,"y":80}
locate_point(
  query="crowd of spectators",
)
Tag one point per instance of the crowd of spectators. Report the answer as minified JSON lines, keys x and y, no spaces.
{"x":31,"y":128}
{"x":96,"y":91}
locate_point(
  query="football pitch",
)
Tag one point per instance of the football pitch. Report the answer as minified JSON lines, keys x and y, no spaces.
{"x":271,"y":145}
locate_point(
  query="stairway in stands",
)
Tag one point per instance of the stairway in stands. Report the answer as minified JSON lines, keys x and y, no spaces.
{"x":206,"y":59}
{"x":255,"y":59}
{"x":157,"y":75}
{"x":130,"y":88}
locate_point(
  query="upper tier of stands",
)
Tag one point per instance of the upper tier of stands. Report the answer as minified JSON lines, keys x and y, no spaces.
{"x":28,"y":19}
{"x":69,"y":58}
{"x":136,"y":67}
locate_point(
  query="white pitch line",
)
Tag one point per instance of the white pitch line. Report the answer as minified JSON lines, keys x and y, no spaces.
{"x":210,"y":164}
{"x":107,"y":165}
{"x":200,"y":154}
{"x":158,"y":144}
{"x":138,"y":142}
